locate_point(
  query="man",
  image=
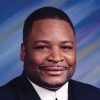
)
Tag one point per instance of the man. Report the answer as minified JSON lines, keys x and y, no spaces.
{"x":49,"y":55}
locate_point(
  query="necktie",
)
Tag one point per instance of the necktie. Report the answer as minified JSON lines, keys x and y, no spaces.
{"x":56,"y":99}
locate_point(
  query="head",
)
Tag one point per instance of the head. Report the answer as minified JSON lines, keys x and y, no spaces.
{"x":48,"y":49}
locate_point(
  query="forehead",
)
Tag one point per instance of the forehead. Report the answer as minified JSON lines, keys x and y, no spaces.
{"x":51,"y":29}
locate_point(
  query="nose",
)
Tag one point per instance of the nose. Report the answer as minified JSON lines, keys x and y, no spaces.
{"x":55,"y":55}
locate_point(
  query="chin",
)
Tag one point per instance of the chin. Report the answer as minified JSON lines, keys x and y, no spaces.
{"x":53,"y":85}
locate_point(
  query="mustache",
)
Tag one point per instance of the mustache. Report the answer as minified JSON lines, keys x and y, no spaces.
{"x":54,"y":67}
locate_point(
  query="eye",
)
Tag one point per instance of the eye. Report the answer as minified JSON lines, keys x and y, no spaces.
{"x":41,"y":47}
{"x":66,"y":47}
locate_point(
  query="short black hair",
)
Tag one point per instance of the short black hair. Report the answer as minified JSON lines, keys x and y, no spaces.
{"x":44,"y":13}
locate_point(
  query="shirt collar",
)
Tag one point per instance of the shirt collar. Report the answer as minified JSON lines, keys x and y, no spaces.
{"x":45,"y":94}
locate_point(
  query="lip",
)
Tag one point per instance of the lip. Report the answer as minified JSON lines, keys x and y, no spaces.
{"x":54,"y":67}
{"x":54,"y":70}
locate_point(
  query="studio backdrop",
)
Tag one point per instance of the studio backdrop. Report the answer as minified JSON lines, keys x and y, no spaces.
{"x":85,"y":15}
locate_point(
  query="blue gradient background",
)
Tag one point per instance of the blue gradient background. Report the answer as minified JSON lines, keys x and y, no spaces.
{"x":85,"y":15}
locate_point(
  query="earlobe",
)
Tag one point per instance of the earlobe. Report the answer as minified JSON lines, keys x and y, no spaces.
{"x":22,"y":52}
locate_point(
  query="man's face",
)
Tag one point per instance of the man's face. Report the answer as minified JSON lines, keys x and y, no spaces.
{"x":50,"y":53}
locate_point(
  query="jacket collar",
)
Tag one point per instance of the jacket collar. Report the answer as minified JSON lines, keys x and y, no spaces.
{"x":25,"y":90}
{"x":71,"y":91}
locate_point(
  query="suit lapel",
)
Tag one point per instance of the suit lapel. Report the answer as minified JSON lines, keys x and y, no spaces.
{"x":25,"y":90}
{"x":71,"y":91}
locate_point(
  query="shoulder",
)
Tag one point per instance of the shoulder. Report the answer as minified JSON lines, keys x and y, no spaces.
{"x":85,"y":90}
{"x":18,"y":89}
{"x":84,"y":86}
{"x":9,"y":90}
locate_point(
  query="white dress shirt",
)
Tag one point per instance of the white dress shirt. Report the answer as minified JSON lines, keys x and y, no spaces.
{"x":45,"y":94}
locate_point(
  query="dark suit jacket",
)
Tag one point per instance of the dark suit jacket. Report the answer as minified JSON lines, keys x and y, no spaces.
{"x":21,"y":89}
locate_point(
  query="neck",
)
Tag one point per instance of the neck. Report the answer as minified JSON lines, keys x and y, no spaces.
{"x":48,"y":86}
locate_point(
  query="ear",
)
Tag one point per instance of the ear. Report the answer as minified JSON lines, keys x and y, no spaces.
{"x":22,"y":52}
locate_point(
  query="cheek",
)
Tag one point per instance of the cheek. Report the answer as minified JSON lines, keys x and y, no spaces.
{"x":38,"y":58}
{"x":73,"y":60}
{"x":70,"y":58}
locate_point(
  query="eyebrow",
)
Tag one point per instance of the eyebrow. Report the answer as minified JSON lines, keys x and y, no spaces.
{"x":64,"y":42}
{"x":41,"y":41}
{"x":47,"y":42}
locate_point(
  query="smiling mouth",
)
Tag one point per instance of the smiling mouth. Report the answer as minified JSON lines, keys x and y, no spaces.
{"x":54,"y":70}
